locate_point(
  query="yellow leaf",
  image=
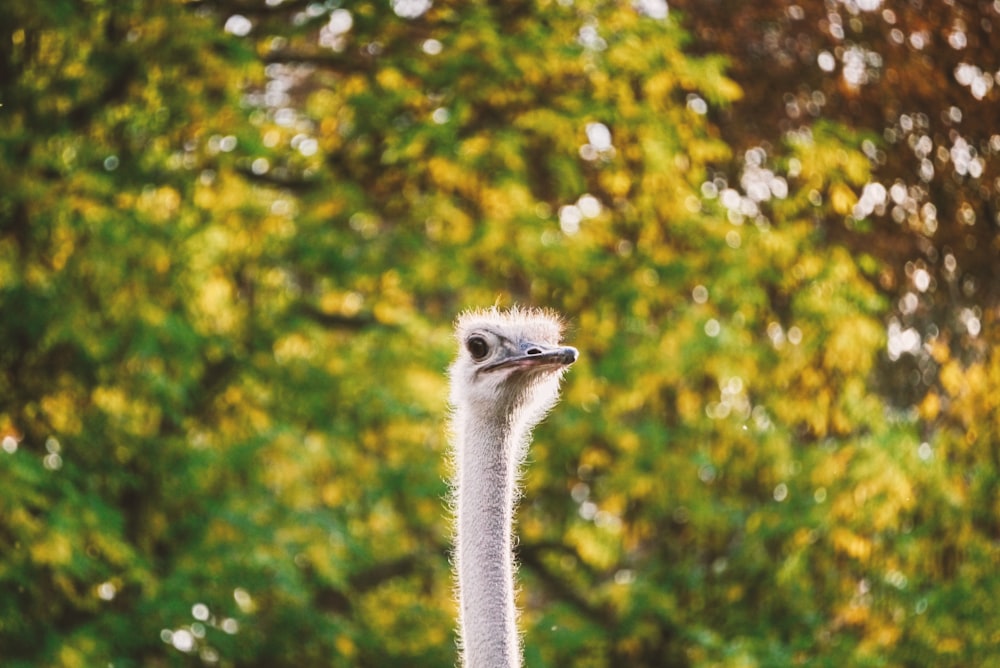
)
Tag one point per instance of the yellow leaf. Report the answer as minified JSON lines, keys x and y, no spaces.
{"x":850,"y":543}
{"x":952,"y":379}
{"x":842,"y":198}
{"x":939,"y":351}
{"x":930,"y":406}
{"x":55,"y":550}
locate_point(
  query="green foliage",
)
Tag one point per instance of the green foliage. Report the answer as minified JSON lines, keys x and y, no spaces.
{"x":228,"y":267}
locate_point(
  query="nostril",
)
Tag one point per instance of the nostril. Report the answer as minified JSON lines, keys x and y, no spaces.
{"x":533,"y":351}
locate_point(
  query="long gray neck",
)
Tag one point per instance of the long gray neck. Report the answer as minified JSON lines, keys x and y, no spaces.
{"x":489,"y":453}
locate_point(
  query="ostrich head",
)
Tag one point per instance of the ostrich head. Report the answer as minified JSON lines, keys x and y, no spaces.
{"x":509,"y":363}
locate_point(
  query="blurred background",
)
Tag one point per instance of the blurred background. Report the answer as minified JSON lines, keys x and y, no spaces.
{"x":234,"y":236}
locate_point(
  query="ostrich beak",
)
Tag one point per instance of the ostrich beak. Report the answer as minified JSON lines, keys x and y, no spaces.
{"x":537,"y":355}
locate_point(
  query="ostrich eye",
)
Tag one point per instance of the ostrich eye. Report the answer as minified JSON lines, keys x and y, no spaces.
{"x":477,"y":347}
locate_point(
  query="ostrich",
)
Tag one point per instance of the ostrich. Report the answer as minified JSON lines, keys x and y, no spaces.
{"x":503,"y":382}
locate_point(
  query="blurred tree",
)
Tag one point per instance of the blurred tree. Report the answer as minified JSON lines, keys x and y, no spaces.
{"x":233,"y":234}
{"x":918,"y":82}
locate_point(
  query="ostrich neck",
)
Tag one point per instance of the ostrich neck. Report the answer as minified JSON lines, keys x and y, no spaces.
{"x":489,"y":454}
